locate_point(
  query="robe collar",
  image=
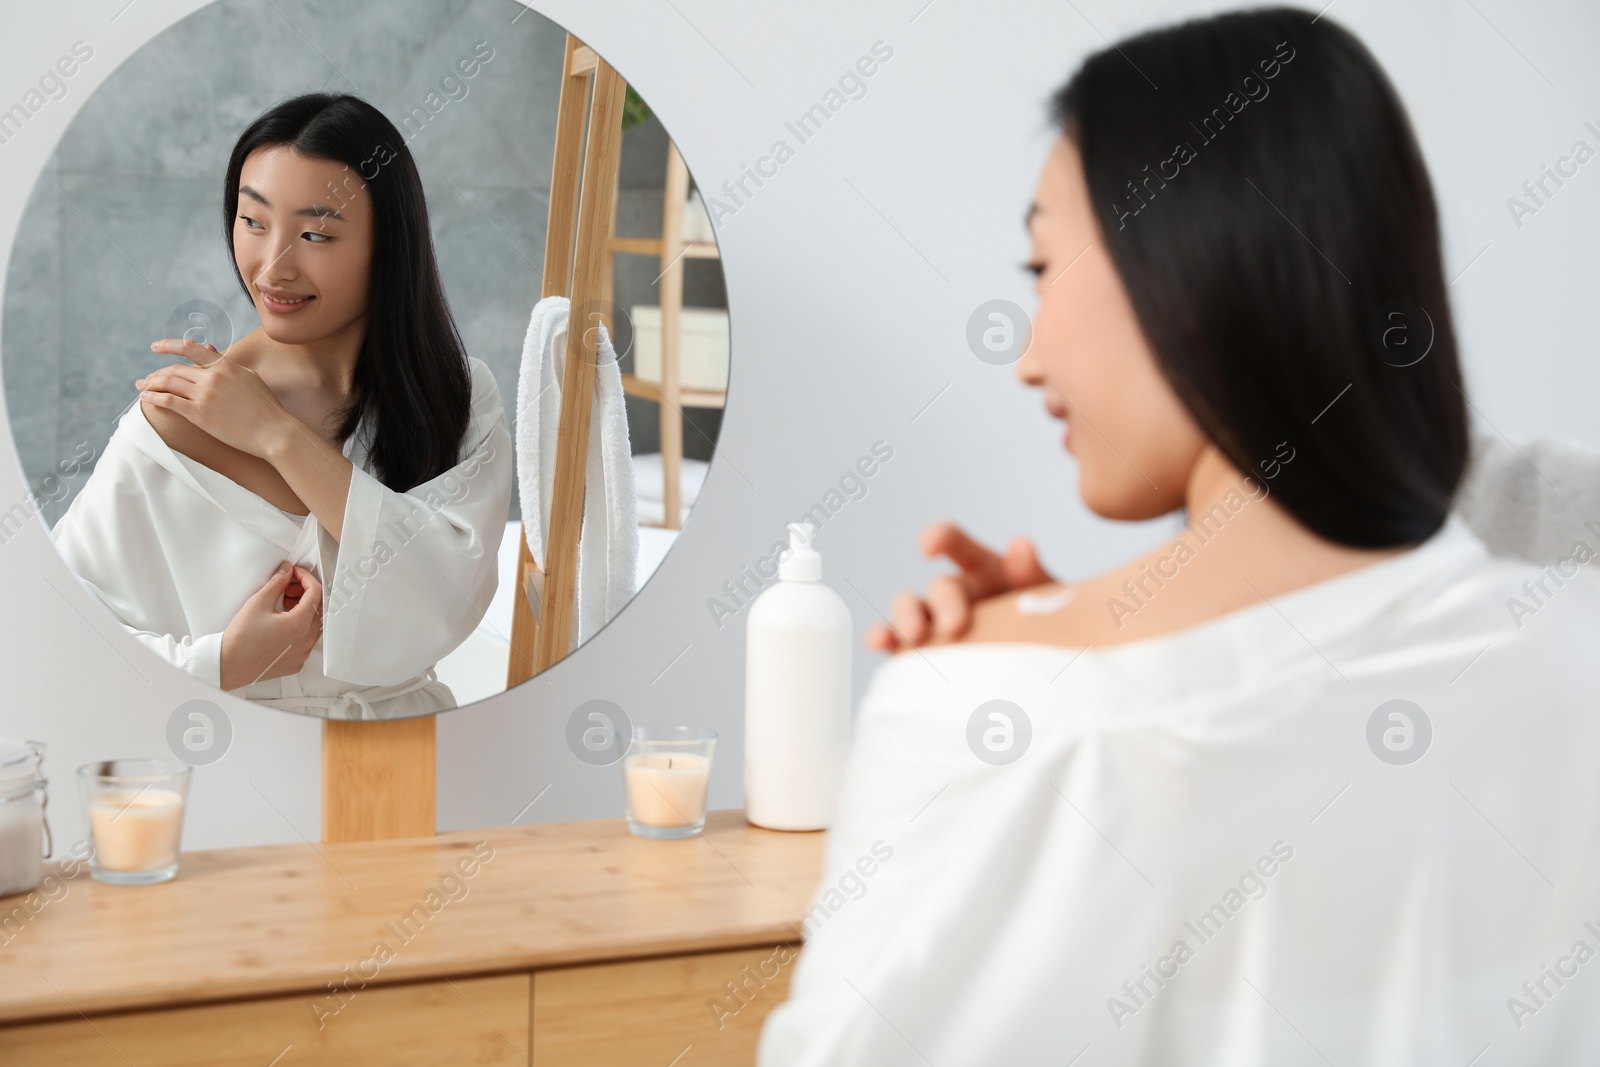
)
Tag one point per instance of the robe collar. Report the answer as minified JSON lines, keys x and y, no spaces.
{"x":244,"y":506}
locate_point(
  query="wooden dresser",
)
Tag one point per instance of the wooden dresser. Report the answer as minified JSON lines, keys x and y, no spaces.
{"x":552,"y":944}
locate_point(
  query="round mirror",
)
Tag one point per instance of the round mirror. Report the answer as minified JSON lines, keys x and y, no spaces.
{"x":287,"y":338}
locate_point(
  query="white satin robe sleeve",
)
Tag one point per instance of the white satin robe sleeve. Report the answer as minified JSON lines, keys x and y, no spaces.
{"x":414,"y":572}
{"x":111,"y":537}
{"x":197,"y":654}
{"x":200,"y":656}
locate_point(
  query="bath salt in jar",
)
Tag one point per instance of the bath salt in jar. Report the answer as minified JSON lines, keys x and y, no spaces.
{"x":24,"y":834}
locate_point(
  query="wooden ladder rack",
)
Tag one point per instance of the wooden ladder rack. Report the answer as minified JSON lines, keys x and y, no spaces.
{"x":583,"y":190}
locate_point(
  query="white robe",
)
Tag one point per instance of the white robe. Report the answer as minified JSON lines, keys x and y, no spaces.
{"x":174,"y":548}
{"x":1200,"y":856}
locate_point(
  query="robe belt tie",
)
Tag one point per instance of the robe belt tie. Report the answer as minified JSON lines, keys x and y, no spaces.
{"x":355,"y":703}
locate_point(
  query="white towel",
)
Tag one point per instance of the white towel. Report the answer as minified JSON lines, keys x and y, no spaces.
{"x":1530,"y":499}
{"x":608,"y":541}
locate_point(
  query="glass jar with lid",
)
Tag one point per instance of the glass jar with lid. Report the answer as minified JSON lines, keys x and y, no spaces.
{"x":24,"y":833}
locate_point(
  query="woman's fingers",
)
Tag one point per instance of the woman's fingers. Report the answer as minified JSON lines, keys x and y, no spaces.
{"x":307,"y":578}
{"x":170,"y":384}
{"x":273,"y":587}
{"x":913,"y":621}
{"x":880,"y":638}
{"x":313,"y":591}
{"x":197,"y":353}
{"x":947,"y":539}
{"x":161,"y":376}
{"x":950,"y":605}
{"x":1021,"y":564}
{"x":910,"y":618}
{"x":982,"y":569}
{"x":947,"y":611}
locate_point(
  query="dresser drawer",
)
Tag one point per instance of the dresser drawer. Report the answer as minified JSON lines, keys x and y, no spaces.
{"x":478,"y":1021}
{"x":688,"y":1011}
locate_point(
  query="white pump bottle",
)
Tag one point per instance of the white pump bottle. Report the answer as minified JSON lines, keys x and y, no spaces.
{"x":797,"y":694}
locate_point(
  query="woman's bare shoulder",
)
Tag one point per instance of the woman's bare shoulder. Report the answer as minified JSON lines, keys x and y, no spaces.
{"x":1069,"y":614}
{"x":999,"y":619}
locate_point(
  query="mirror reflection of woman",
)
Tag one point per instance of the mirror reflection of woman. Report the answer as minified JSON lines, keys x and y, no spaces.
{"x":312,"y":518}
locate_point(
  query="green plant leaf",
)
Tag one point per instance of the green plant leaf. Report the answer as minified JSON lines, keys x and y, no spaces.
{"x":634,"y":109}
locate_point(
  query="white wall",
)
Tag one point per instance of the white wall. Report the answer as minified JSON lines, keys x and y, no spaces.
{"x":851,"y":275}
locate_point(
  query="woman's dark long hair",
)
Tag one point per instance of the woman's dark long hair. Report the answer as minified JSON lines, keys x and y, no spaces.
{"x":1269,"y":213}
{"x":412,"y":375}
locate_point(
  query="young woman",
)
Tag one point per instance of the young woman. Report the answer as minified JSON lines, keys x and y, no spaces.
{"x":311,"y":519}
{"x":1313,"y":781}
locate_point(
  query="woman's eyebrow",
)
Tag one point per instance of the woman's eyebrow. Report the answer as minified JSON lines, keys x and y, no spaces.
{"x":315,"y":211}
{"x":1033,"y":209}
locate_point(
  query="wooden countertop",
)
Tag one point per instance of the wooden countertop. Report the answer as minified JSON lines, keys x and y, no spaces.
{"x":276,"y":919}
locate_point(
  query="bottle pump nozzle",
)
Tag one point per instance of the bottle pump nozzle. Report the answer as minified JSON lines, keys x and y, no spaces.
{"x":800,"y":562}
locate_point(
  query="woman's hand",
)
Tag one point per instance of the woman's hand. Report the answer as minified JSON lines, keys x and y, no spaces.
{"x":264,"y":641}
{"x":226,"y":400}
{"x":984,"y":573}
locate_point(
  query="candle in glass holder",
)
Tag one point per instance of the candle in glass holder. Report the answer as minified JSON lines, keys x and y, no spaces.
{"x":135,"y":809}
{"x":666,"y":773}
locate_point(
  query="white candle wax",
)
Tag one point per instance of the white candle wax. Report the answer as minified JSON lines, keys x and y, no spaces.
{"x":136,"y":830}
{"x":667,"y":789}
